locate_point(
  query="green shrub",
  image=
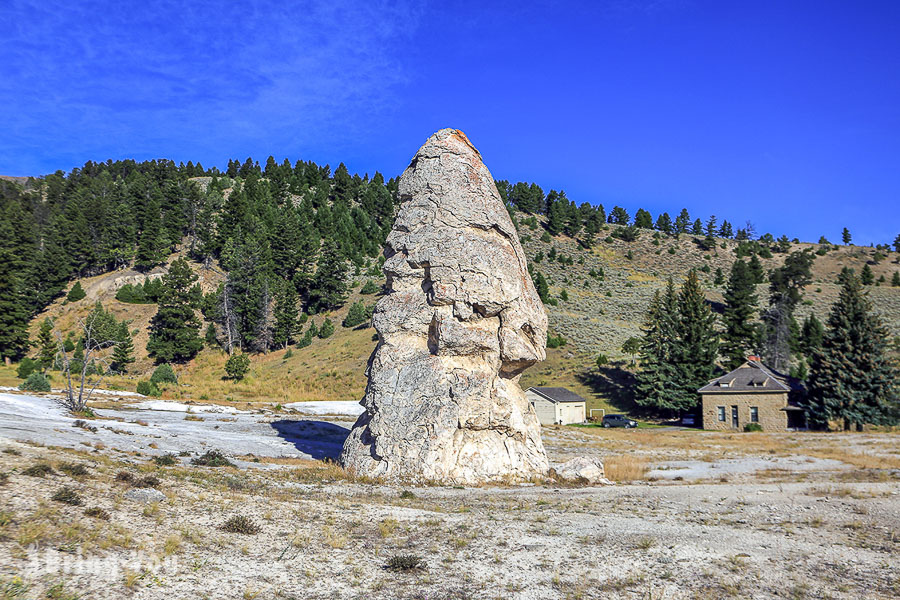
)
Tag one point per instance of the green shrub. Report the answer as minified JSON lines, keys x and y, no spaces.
{"x":76,"y":293}
{"x":555,"y":341}
{"x":166,"y":460}
{"x":145,"y":388}
{"x":288,"y":354}
{"x":212,"y":458}
{"x":237,"y":366}
{"x":357,"y":315}
{"x":751,"y":427}
{"x":326,"y":329}
{"x":36,"y":382}
{"x":370,"y":287}
{"x":602,"y":360}
{"x":164,"y":373}
{"x":27,"y":367}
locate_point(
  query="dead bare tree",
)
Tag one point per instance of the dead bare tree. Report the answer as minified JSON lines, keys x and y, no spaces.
{"x":96,"y":352}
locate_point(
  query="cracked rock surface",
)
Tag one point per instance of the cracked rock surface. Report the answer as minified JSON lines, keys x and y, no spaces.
{"x":459,"y":323}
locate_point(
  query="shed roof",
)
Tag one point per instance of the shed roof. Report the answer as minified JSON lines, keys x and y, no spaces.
{"x":751,"y":377}
{"x":557,"y":394}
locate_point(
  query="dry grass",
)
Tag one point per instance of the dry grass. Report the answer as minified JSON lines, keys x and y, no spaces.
{"x":625,"y":467}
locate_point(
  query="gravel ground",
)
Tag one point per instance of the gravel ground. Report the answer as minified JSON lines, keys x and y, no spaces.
{"x":785,"y":525}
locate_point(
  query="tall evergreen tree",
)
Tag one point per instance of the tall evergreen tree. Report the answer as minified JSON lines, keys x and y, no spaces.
{"x":123,"y":351}
{"x":756,"y":269}
{"x":811,"y":335}
{"x":851,"y":378}
{"x":47,"y":346}
{"x":697,"y":343}
{"x":657,"y":373}
{"x":174,"y":329}
{"x":13,"y":312}
{"x":329,"y":289}
{"x":286,"y":325}
{"x":740,"y":334}
{"x":683,"y":221}
{"x":846,"y":237}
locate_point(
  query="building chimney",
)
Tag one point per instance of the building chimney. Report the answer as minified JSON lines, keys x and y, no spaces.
{"x":753,"y":358}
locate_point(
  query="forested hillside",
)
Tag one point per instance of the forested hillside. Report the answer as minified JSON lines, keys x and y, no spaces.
{"x":195,"y":265}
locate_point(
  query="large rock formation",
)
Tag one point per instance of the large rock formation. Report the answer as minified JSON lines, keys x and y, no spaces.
{"x":459,"y":323}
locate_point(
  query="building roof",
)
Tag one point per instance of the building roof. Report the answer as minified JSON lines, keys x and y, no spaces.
{"x":557,"y":394}
{"x":752,"y":377}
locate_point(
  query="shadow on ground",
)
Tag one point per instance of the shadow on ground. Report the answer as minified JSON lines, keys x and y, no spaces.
{"x":318,"y":439}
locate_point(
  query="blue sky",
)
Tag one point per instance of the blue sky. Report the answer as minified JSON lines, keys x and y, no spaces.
{"x":783,"y":113}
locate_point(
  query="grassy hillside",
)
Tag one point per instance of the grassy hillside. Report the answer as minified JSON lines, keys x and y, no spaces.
{"x":599,"y":315}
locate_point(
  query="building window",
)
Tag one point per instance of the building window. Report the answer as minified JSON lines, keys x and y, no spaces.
{"x":721,"y":410}
{"x":754,"y":414}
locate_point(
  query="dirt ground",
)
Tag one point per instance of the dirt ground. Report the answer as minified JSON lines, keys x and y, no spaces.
{"x":693,"y":515}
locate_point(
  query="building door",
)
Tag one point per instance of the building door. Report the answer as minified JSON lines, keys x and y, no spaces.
{"x":734,"y":417}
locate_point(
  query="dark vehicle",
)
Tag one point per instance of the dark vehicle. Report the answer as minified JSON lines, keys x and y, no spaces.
{"x":689,"y":420}
{"x":618,"y":421}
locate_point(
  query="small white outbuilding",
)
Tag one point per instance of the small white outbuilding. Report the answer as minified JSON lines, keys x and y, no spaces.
{"x":557,"y":405}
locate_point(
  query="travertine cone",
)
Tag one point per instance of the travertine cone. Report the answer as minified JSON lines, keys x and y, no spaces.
{"x":459,"y":323}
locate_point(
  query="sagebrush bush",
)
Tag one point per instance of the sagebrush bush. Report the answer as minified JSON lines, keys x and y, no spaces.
{"x":241,"y":524}
{"x":212,"y":458}
{"x":36,"y":382}
{"x":166,"y":460}
{"x":146,"y":482}
{"x":97,"y":513}
{"x":405,"y":562}
{"x":39,"y":470}
{"x":67,"y":495}
{"x":124,"y":477}
{"x":751,"y":427}
{"x":74,"y":469}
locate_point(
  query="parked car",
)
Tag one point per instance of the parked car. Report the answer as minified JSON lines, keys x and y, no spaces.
{"x":688,"y":420}
{"x":618,"y":421}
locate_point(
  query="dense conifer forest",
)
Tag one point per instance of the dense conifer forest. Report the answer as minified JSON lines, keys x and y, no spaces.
{"x":287,"y":236}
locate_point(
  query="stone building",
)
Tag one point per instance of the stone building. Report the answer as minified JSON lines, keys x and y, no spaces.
{"x":752,"y":393}
{"x":556,"y":405}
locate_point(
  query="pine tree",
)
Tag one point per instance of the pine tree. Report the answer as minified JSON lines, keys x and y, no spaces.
{"x":654,"y":380}
{"x":740,"y":333}
{"x":47,"y":346}
{"x":643,"y":219}
{"x":174,"y":329}
{"x":540,"y":285}
{"x":123,"y":351}
{"x":846,"y":237}
{"x":697,"y":343}
{"x":664,"y":223}
{"x":851,"y":378}
{"x":756,"y":270}
{"x":13,"y":314}
{"x":697,"y":228}
{"x":286,"y":325}
{"x":76,"y":293}
{"x":866,"y":277}
{"x":895,"y":280}
{"x":329,"y":287}
{"x":682,"y":221}
{"x":811,"y":335}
